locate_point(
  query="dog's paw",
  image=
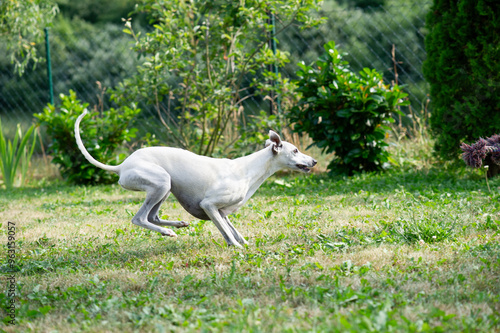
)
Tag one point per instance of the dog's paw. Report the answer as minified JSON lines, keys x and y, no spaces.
{"x":182,"y":224}
{"x":235,"y":244}
{"x":169,"y":233}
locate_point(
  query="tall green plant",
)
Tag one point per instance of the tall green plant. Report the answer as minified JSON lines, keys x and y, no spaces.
{"x":16,"y":154}
{"x":346,"y":113}
{"x":204,"y":59}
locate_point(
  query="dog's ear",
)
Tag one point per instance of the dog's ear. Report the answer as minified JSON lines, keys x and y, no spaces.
{"x":275,"y":140}
{"x":274,"y":137}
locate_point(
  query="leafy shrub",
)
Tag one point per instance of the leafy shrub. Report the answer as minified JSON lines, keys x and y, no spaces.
{"x":103,"y":132}
{"x":346,"y":113}
{"x":463,"y":69}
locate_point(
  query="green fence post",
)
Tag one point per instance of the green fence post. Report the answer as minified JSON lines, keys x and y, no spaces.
{"x":273,"y":22}
{"x":49,"y":67}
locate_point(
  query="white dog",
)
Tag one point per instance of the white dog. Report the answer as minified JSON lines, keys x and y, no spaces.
{"x":208,"y":188}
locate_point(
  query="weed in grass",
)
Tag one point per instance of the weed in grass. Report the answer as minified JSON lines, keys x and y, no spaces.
{"x":490,"y":223}
{"x":427,"y":230}
{"x":348,"y":237}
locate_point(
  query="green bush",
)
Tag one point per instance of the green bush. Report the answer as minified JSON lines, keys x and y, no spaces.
{"x":102,"y":133}
{"x":346,"y":113}
{"x":463,"y":69}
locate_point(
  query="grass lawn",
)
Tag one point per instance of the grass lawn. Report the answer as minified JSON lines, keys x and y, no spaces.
{"x":403,"y":251}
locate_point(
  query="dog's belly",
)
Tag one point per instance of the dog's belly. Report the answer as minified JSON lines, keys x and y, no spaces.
{"x":196,"y":212}
{"x":191,"y":205}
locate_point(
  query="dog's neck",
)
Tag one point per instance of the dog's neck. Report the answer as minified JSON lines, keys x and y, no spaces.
{"x":257,"y":167}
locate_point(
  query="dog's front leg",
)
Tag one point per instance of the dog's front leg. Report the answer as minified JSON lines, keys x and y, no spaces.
{"x":235,"y":232}
{"x":221,"y":224}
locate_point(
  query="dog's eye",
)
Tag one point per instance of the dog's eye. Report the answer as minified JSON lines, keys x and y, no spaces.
{"x":295,"y":151}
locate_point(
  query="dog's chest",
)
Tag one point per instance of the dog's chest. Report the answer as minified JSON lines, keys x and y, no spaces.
{"x":235,"y":204}
{"x":231,"y":209}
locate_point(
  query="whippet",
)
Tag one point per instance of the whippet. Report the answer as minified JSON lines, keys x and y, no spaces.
{"x":207,"y":188}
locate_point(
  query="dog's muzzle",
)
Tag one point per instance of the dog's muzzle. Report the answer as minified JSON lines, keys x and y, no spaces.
{"x":305,"y":168}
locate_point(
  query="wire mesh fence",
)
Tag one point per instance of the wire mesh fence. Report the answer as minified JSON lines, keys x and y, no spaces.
{"x":389,"y":39}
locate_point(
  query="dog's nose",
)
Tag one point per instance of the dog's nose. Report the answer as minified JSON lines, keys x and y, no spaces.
{"x":315,"y":162}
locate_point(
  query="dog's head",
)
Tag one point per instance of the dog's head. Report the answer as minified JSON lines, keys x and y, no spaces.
{"x":288,"y":155}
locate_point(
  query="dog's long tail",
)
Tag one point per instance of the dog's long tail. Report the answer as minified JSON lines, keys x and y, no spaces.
{"x":112,"y":168}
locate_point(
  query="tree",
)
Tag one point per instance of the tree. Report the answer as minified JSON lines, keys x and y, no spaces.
{"x":21,"y":28}
{"x":204,"y":59}
{"x":463,"y":69}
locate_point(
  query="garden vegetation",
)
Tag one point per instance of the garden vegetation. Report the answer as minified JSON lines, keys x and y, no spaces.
{"x":393,"y":239}
{"x":411,"y":250}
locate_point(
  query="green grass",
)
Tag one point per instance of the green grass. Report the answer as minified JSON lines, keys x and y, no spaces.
{"x":405,"y":251}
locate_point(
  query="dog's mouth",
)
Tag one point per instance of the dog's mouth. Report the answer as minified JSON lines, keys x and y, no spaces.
{"x":303,"y":167}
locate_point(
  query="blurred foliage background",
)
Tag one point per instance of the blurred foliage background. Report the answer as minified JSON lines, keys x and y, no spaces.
{"x":87,"y":46}
{"x":91,"y":55}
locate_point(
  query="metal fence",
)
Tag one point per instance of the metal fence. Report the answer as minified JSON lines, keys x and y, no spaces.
{"x":389,"y":39}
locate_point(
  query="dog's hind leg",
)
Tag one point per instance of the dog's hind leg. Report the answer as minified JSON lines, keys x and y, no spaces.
{"x":154,"y":218}
{"x":156,"y":183}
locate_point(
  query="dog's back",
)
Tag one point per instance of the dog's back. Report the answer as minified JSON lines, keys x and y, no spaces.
{"x":191,"y":175}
